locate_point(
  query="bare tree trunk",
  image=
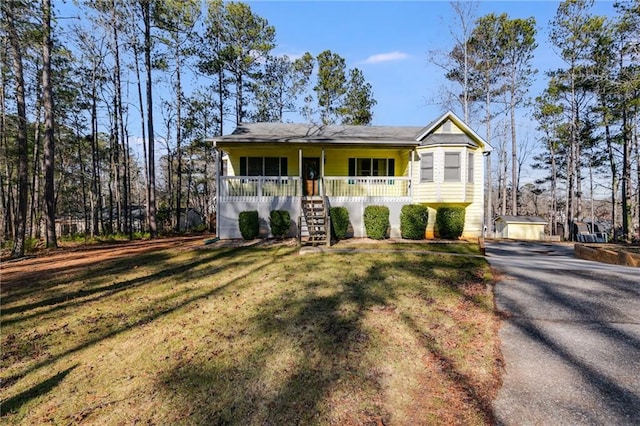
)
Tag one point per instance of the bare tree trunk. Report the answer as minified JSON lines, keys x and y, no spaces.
{"x":178,"y":141}
{"x":123,"y":186}
{"x":637,"y":146}
{"x":96,"y":205}
{"x":151,"y":188}
{"x":612,"y":168}
{"x":80,"y":147}
{"x":3,"y":148}
{"x":34,"y":231}
{"x":49,"y":142}
{"x":489,"y":206}
{"x":626,"y":174}
{"x":514,"y":152}
{"x":144,"y":146}
{"x":554,"y":192}
{"x":18,"y":72}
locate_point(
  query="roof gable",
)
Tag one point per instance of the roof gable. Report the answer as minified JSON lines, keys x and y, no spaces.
{"x":448,"y":129}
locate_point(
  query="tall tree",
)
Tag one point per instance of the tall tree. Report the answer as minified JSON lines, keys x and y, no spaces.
{"x":517,"y":46}
{"x":13,"y":14}
{"x":177,"y":19}
{"x":358,"y":101}
{"x":458,"y":58}
{"x":282,"y":81}
{"x":248,"y":38}
{"x":572,"y":33}
{"x":330,"y":86}
{"x":213,"y":56}
{"x":627,"y":30}
{"x":146,"y":12}
{"x":549,"y":116}
{"x":484,"y":59}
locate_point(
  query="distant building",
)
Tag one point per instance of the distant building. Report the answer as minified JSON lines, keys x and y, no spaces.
{"x":520,"y":227}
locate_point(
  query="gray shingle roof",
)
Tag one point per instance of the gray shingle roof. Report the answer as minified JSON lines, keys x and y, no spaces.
{"x":400,"y":136}
{"x":310,"y":133}
{"x":449,"y":139}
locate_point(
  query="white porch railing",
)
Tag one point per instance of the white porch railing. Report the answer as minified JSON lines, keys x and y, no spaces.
{"x":243,"y":187}
{"x":238,"y":188}
{"x":367,"y":187}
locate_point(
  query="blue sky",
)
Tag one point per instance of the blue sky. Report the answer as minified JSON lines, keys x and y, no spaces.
{"x":389,"y":41}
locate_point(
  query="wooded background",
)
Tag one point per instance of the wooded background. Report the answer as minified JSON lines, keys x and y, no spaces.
{"x":73,"y":88}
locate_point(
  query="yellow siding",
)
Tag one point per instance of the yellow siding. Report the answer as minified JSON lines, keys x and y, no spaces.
{"x":259,"y":151}
{"x":440,"y":191}
{"x":336,"y":159}
{"x":452,"y":129}
{"x":463,"y":193}
{"x":525,"y":231}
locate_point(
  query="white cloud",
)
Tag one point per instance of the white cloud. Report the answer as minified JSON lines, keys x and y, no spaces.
{"x":386,"y":57}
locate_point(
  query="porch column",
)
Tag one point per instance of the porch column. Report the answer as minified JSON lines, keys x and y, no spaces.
{"x":300,"y":171}
{"x":411,"y":174}
{"x":321,"y":185}
{"x":218,"y":173}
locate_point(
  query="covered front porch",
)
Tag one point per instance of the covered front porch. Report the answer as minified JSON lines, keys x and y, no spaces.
{"x":350,"y":173}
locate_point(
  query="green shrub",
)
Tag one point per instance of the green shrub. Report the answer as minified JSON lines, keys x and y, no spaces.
{"x":31,"y":244}
{"x":376,"y":221}
{"x":450,"y":222}
{"x":280,"y":222}
{"x":140,"y":235}
{"x":413,"y":221}
{"x":199,"y":228}
{"x":249,"y":225}
{"x":339,"y":222}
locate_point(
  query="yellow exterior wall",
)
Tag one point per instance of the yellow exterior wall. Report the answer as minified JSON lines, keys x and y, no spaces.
{"x":464,"y":193}
{"x":233,"y":166}
{"x":336,"y":159}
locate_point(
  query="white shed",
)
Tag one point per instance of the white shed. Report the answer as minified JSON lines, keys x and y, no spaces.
{"x":520,"y":227}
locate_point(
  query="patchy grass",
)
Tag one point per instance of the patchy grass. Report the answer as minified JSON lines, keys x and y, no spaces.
{"x":253,"y":335}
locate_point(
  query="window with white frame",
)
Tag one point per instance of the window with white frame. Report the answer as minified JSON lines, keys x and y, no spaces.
{"x":426,"y":167}
{"x":452,"y":167}
{"x":470,"y":158}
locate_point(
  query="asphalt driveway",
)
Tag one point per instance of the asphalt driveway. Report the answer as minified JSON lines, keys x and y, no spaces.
{"x":570,"y":340}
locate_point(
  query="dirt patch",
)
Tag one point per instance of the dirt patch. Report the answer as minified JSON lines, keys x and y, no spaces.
{"x":65,"y":260}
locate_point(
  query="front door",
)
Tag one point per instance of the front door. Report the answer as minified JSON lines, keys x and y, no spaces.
{"x":310,"y":176}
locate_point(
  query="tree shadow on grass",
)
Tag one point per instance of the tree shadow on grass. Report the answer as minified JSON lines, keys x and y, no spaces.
{"x":169,"y":304}
{"x":74,"y":298}
{"x":307,"y":364}
{"x":326,"y":334}
{"x":14,"y":403}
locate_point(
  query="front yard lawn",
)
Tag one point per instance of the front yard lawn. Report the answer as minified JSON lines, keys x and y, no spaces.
{"x":253,"y":335}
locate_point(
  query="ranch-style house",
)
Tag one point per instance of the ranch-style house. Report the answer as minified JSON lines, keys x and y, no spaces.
{"x":306,"y":168}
